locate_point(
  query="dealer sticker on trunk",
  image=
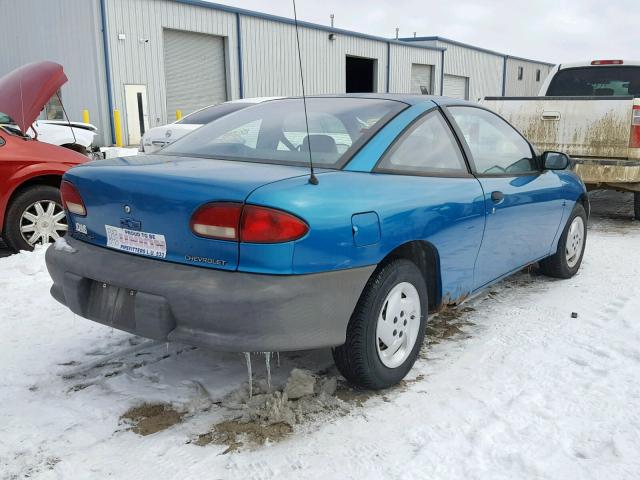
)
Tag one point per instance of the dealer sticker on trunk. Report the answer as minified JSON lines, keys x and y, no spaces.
{"x":133,"y":241}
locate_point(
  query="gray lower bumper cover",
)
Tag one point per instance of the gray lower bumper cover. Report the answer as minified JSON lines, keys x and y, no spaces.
{"x":222,"y":310}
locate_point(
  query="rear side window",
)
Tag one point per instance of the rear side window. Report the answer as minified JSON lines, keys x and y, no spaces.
{"x":428,"y":147}
{"x":209,"y":114}
{"x":497,"y":148}
{"x":595,"y":82}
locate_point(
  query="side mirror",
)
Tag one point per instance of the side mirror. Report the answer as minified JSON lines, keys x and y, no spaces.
{"x":555,"y":161}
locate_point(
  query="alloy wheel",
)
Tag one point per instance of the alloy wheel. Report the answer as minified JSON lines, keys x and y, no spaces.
{"x":43,"y":222}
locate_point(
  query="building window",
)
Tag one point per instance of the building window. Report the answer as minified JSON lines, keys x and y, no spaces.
{"x":520,"y":73}
{"x":53,"y":108}
{"x":538,"y":75}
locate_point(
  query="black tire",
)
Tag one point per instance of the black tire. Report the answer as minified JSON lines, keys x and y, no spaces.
{"x":636,"y":205}
{"x":11,"y":234}
{"x":358,"y":358}
{"x":557,"y":265}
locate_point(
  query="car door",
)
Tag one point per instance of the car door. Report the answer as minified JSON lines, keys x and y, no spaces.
{"x":523,"y":204}
{"x":441,"y":201}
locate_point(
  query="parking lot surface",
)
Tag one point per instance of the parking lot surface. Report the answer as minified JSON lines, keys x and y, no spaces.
{"x":509,"y":385}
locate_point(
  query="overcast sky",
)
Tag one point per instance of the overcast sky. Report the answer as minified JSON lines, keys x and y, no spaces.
{"x":548,"y":30}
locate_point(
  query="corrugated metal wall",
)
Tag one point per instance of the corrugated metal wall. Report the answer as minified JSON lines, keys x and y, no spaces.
{"x":138,"y":61}
{"x":483,"y":69}
{"x":270,"y":59}
{"x":528,"y":86}
{"x":401,"y":59}
{"x":269,"y":55}
{"x":67,"y":32}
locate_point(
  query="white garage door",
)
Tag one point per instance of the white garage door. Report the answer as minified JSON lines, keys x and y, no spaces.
{"x":456,"y":87}
{"x":421,"y":79}
{"x":194,"y":68}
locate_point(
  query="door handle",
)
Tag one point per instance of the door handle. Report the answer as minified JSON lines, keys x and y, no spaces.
{"x":547,"y":115}
{"x":497,"y":197}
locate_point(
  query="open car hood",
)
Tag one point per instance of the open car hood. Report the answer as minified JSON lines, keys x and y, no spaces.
{"x":25,"y":91}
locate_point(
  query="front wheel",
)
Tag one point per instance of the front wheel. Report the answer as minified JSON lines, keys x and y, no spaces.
{"x":34,"y":216}
{"x":636,"y":205}
{"x":386,"y":330}
{"x":566,"y":262}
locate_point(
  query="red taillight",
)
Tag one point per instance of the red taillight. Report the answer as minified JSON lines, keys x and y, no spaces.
{"x":634,"y":141}
{"x":71,"y":199}
{"x":607,"y":62}
{"x":266,"y":225}
{"x":217,"y":220}
{"x":251,"y":224}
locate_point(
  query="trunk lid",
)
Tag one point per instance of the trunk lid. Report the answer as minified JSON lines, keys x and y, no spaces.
{"x":157,"y":195}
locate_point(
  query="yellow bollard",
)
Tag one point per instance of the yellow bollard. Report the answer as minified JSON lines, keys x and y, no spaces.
{"x":117,"y":125}
{"x":178,"y":115}
{"x":85,"y":116}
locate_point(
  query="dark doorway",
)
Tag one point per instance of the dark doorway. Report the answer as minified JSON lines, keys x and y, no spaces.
{"x":360,"y":75}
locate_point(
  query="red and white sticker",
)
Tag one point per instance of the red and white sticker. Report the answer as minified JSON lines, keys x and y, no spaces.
{"x":133,"y":241}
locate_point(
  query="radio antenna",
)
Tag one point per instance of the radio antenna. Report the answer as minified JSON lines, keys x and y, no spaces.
{"x":313,"y":180}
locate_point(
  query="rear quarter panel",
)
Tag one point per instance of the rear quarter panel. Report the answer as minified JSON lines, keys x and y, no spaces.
{"x":446,"y":212}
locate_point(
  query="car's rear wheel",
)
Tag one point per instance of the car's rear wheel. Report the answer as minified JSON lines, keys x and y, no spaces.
{"x":566,"y":262}
{"x":636,"y":205}
{"x":35,"y":216}
{"x":386,"y":330}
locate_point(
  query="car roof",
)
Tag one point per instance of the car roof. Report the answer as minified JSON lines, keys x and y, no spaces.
{"x":408,"y":98}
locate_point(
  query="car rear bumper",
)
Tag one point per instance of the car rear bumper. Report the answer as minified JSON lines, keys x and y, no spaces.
{"x":222,"y":310}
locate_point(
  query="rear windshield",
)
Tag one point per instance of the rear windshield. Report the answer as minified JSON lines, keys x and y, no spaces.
{"x":209,"y":114}
{"x":275,"y":131}
{"x":595,"y":82}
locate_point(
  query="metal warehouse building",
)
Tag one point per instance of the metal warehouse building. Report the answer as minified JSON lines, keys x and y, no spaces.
{"x":149,"y":58}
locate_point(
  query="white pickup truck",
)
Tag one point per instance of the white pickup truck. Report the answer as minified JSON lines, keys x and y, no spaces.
{"x":590,"y":110}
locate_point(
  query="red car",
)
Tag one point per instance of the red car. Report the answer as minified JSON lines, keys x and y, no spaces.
{"x":30,"y":171}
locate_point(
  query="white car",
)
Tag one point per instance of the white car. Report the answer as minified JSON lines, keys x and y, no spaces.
{"x":73,"y":135}
{"x":159,"y":137}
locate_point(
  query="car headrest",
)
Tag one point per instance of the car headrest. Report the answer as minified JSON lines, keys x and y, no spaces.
{"x":320,"y":144}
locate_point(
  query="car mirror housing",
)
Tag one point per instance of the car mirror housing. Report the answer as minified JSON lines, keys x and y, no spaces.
{"x":555,"y":161}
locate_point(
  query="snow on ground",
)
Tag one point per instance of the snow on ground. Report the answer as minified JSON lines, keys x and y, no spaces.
{"x":519,"y":389}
